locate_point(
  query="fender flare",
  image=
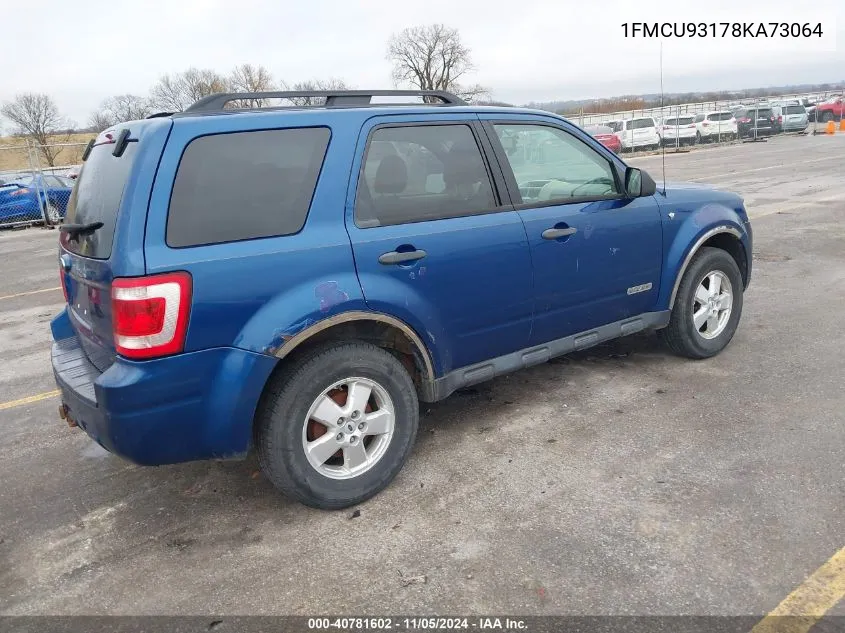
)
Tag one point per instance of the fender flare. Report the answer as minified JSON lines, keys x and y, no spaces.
{"x":356,"y":315}
{"x":695,"y":248}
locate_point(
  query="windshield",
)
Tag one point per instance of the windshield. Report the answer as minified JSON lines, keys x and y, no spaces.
{"x":96,"y":198}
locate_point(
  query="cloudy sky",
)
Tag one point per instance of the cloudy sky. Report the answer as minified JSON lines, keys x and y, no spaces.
{"x":81,"y":51}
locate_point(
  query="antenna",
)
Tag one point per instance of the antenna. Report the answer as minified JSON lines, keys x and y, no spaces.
{"x":662,"y":144}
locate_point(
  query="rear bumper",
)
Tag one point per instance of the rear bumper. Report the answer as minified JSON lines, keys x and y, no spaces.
{"x":191,"y":406}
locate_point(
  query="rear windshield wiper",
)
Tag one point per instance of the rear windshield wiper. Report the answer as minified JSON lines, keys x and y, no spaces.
{"x":76,"y":230}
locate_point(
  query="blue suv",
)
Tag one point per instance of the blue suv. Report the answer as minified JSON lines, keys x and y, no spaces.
{"x":296,"y":279}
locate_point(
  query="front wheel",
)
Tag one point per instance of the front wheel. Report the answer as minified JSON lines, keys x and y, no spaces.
{"x":336,"y":427}
{"x":707,"y":307}
{"x":52,"y":213}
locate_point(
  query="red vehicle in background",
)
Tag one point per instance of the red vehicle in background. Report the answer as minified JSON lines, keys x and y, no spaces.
{"x":605,"y":136}
{"x":830,"y":110}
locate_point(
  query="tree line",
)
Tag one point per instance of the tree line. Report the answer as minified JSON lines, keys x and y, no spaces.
{"x":431,"y":57}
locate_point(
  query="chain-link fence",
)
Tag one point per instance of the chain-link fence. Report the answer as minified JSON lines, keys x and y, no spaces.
{"x":30,"y":191}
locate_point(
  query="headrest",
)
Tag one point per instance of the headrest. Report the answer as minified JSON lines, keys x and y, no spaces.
{"x":391,"y":175}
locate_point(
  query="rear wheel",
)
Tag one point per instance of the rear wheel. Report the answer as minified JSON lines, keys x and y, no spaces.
{"x":337,"y":426}
{"x":707,"y":307}
{"x":52,"y":213}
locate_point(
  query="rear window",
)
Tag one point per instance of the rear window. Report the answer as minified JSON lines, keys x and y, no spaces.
{"x":684,"y":120}
{"x":719,"y":116}
{"x":794,"y":109}
{"x":639,"y":124}
{"x":765,"y":113}
{"x":245,"y":185}
{"x":96,"y":198}
{"x":616,"y":126}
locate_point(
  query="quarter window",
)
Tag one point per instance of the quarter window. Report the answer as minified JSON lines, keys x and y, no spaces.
{"x":551,"y":165}
{"x":245,"y":185}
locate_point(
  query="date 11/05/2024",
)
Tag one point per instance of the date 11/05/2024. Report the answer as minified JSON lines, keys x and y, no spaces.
{"x":722,"y":29}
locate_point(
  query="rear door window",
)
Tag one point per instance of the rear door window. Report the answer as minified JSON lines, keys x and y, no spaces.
{"x":245,"y":185}
{"x":433,"y":172}
{"x":794,"y":109}
{"x":96,"y":198}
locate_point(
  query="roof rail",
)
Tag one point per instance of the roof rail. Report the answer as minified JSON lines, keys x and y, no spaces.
{"x":333,"y":97}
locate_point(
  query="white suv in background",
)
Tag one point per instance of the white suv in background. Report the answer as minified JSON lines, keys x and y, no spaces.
{"x":711,"y":126}
{"x":678,"y":130}
{"x":639,"y":133}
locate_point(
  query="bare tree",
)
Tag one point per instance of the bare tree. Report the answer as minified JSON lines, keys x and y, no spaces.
{"x":249,"y":78}
{"x":100,"y":120}
{"x":37,"y":117}
{"x":119,"y":109}
{"x":316,"y":84}
{"x":176,"y":92}
{"x":432,"y":58}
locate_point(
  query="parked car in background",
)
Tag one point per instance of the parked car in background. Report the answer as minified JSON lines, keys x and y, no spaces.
{"x":677,"y":130}
{"x":718,"y":125}
{"x":605,"y":136}
{"x":791,"y":116}
{"x":23,"y":196}
{"x":755,"y":122}
{"x":638,"y":133}
{"x":830,"y":110}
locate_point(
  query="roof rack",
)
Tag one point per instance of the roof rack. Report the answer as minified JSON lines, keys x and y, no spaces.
{"x":332,"y":97}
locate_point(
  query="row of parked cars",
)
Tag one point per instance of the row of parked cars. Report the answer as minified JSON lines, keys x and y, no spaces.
{"x":741,"y":121}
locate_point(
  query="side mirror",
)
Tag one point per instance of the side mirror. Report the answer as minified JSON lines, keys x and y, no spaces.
{"x":638,"y":183}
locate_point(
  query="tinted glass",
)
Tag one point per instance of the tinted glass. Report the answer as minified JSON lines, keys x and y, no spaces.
{"x":684,"y":120}
{"x":699,"y":118}
{"x":616,"y":126}
{"x":550,"y":164}
{"x":96,"y":198}
{"x":639,"y":124}
{"x":794,"y":109}
{"x":246,"y":185}
{"x":419,"y":173}
{"x":764,"y":113}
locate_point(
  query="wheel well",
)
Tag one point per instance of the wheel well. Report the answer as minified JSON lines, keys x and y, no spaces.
{"x":734,"y":247}
{"x":380,"y":334}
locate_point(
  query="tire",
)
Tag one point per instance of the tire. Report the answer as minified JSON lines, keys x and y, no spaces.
{"x":52,"y":213}
{"x":698,"y":138}
{"x":681,"y":335}
{"x":284,"y":423}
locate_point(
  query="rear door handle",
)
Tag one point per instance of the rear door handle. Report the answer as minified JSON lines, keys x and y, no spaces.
{"x":396,"y":257}
{"x":553,"y":234}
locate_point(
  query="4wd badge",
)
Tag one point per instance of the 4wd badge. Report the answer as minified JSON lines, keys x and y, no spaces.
{"x":641,"y":288}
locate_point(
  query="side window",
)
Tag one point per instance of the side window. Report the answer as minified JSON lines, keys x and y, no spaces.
{"x":245,"y":185}
{"x":417,"y":173}
{"x":699,"y":118}
{"x":554,"y":165}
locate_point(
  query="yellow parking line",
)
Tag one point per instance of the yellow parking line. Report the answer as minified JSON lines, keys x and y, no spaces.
{"x":810,"y":601}
{"x":28,"y":400}
{"x":31,"y":292}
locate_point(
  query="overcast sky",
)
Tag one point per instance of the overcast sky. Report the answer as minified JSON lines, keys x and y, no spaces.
{"x":81,"y":51}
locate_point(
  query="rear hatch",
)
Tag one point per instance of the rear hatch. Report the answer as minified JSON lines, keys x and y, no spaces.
{"x":642,"y":128}
{"x":86,"y":255}
{"x":794,"y":114}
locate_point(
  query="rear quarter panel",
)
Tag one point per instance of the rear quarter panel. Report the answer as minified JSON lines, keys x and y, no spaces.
{"x":257,"y":294}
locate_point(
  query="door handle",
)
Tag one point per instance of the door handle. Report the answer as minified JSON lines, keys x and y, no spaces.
{"x":396,"y":257}
{"x":553,"y":234}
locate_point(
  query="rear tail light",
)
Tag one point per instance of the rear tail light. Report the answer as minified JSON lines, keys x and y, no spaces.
{"x":63,"y":278}
{"x":745,"y":120}
{"x":705,"y":123}
{"x":780,"y":119}
{"x":150,"y":314}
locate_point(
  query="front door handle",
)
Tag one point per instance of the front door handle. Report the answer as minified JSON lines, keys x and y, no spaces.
{"x":397,"y":257}
{"x":553,"y":234}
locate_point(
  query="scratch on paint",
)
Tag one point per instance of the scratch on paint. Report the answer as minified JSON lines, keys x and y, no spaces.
{"x":329,"y":295}
{"x":613,"y":251}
